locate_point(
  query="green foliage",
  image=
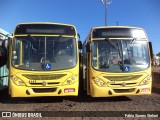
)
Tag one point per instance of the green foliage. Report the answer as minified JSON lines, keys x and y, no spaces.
{"x":158,"y":54}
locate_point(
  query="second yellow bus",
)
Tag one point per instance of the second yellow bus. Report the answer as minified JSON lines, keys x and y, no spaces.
{"x":117,"y":62}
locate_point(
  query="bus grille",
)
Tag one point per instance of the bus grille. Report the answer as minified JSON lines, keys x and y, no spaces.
{"x":43,"y":90}
{"x":33,"y":82}
{"x":44,"y":77}
{"x":120,"y":84}
{"x":122,"y":78}
{"x":124,"y":90}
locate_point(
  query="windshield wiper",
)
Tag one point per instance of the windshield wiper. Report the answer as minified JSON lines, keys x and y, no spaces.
{"x":122,"y":62}
{"x":111,"y":43}
{"x":128,"y":51}
{"x":114,"y":45}
{"x":59,"y":37}
{"x":133,"y":40}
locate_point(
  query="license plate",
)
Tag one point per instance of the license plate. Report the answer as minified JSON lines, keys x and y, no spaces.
{"x":69,"y":90}
{"x":145,"y":89}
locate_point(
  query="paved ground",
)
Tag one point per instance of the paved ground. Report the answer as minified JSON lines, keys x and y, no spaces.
{"x":94,"y":108}
{"x":83,"y":103}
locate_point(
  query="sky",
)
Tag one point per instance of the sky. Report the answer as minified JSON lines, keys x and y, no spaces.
{"x":84,"y":15}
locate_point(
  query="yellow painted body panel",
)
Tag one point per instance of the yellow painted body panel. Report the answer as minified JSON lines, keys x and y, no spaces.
{"x":131,"y":88}
{"x":20,"y":91}
{"x":103,"y":92}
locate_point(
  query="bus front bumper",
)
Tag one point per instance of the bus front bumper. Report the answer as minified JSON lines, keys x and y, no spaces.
{"x":97,"y":91}
{"x":24,"y":91}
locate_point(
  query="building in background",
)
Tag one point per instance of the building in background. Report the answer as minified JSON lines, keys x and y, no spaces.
{"x":156,"y":60}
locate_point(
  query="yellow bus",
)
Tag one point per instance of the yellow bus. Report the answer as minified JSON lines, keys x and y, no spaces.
{"x":117,"y":62}
{"x":44,"y":60}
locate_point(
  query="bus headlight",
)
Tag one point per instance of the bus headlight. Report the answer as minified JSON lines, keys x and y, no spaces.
{"x":146,"y":81}
{"x":148,"y":78}
{"x":97,"y":80}
{"x":100,"y":83}
{"x":17,"y":81}
{"x":70,"y":80}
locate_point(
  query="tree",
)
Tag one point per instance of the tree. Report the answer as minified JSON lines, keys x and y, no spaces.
{"x":158,"y":54}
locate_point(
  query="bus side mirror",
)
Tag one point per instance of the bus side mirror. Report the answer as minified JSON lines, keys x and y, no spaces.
{"x":79,"y":44}
{"x":3,"y":53}
{"x":6,"y":43}
{"x":151,"y":50}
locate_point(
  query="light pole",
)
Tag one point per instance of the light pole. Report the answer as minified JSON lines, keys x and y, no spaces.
{"x":117,"y":23}
{"x":106,"y":3}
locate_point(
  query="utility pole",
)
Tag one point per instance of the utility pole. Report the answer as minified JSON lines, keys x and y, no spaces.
{"x":106,"y":3}
{"x":117,"y":23}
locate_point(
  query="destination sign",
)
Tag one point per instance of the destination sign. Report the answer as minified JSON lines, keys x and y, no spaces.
{"x":118,"y":33}
{"x":45,"y":29}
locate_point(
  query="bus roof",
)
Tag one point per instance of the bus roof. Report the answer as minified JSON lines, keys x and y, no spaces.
{"x":115,"y":27}
{"x":45,"y":23}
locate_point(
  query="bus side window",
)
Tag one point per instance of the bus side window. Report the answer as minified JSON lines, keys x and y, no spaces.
{"x":3,"y":53}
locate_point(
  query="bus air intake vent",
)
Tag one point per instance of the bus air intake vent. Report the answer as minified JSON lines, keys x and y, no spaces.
{"x":50,"y":83}
{"x":124,"y":90}
{"x":43,"y":90}
{"x":126,"y":84}
{"x":44,"y":77}
{"x":122,"y":78}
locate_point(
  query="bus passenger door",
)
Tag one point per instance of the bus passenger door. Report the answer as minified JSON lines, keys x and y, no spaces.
{"x":87,"y":73}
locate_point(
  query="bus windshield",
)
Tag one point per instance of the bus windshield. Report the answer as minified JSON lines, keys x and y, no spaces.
{"x":120,"y":55}
{"x":35,"y":52}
